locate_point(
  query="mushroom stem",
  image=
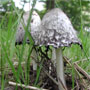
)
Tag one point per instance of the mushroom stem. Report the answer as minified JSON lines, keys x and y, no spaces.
{"x":34,"y":54}
{"x":60,"y":69}
{"x":53,"y":56}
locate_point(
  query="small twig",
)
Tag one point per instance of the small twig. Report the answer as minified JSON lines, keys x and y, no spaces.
{"x":67,"y":61}
{"x":64,"y":87}
{"x":82,"y":71}
{"x":83,"y":60}
{"x":50,"y":77}
{"x":78,"y":69}
{"x":78,"y":73}
{"x":24,"y":86}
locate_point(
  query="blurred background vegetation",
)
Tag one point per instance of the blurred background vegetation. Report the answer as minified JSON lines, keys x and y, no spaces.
{"x":79,"y":13}
{"x":72,"y":8}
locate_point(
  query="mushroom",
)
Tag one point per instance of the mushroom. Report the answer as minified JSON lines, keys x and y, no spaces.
{"x":56,"y":30}
{"x":35,"y":21}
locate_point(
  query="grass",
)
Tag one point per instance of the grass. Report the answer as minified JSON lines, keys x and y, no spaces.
{"x":8,"y":49}
{"x":9,"y":53}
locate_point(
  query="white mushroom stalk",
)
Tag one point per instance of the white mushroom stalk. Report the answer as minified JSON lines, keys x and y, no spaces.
{"x":56,"y":30}
{"x":34,"y":55}
{"x":35,"y":22}
{"x":60,"y":69}
{"x":57,"y":59}
{"x":53,"y":56}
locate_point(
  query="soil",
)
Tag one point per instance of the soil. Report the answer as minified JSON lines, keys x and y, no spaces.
{"x":45,"y":81}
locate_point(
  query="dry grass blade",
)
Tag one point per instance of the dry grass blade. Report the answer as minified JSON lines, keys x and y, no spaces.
{"x":61,"y":83}
{"x":67,"y":61}
{"x":82,"y":71}
{"x":51,"y":77}
{"x":78,"y":73}
{"x":78,"y":68}
{"x":24,"y":86}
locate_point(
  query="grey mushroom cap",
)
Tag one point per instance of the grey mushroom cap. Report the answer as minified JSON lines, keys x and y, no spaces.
{"x":55,"y":30}
{"x":20,"y":33}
